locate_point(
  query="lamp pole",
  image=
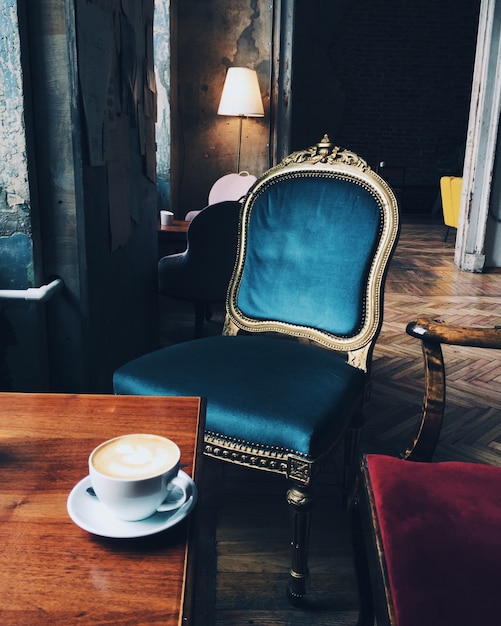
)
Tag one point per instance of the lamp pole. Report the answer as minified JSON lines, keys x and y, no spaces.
{"x":240,"y":119}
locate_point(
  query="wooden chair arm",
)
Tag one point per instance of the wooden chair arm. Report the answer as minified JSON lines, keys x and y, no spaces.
{"x":439,"y":331}
{"x":432,"y":334}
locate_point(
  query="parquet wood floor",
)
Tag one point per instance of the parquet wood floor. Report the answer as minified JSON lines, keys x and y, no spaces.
{"x":423,"y":280}
{"x":249,"y":560}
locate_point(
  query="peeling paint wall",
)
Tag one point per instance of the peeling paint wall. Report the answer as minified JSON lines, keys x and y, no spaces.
{"x":22,"y":356}
{"x":161,"y":43}
{"x":214,"y":35}
{"x":91,"y":218}
{"x":14,"y":188}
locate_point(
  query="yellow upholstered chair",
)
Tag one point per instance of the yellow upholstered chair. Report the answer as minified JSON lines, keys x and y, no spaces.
{"x":450,"y":190}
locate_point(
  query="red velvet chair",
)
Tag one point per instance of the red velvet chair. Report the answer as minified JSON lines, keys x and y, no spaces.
{"x":427,"y":536}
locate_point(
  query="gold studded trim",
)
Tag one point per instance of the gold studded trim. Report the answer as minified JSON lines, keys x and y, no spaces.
{"x":275,"y":460}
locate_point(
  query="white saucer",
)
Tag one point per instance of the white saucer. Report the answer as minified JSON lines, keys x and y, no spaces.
{"x":88,"y":513}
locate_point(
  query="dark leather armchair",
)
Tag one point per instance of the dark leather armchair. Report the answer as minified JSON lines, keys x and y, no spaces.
{"x":202,"y":272}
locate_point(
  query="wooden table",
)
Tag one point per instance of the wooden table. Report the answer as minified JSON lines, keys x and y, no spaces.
{"x":177,"y":226}
{"x":52,"y":571}
{"x":172,"y":238}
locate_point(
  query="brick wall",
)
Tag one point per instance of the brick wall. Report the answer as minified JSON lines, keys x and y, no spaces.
{"x":393,"y":83}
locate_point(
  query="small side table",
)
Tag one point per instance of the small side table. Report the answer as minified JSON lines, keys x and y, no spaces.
{"x":172,"y":238}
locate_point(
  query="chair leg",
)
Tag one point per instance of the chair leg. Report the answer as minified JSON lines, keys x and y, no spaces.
{"x":366,"y":613}
{"x":208,"y":311}
{"x":301,"y":502}
{"x":199,"y":319}
{"x":351,"y":454}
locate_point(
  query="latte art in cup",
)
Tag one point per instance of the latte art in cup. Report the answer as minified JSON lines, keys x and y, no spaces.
{"x":134,"y":476}
{"x":135,"y":456}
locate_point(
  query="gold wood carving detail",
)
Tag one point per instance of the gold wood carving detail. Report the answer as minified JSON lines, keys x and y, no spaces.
{"x":229,"y":327}
{"x":360,"y":358}
{"x":271,"y":460}
{"x":300,"y":470}
{"x":299,"y":498}
{"x":325,"y":152}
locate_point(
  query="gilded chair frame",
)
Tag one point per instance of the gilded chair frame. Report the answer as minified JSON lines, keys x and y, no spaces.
{"x":340,"y":164}
{"x":357,"y":231}
{"x":322,"y":160}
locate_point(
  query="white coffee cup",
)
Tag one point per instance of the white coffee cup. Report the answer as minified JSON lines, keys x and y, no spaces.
{"x":166,"y":218}
{"x":133,"y":475}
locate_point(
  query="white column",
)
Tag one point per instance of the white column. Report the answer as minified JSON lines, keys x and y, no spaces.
{"x":481,"y":141}
{"x":161,"y":38}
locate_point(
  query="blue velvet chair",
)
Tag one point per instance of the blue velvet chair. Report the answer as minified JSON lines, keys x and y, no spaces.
{"x":288,"y":379}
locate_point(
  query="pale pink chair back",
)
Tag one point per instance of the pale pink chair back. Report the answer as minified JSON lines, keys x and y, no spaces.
{"x":231,"y":187}
{"x":228,"y":187}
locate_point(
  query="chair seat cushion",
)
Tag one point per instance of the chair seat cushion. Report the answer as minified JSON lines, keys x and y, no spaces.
{"x":440,"y":526}
{"x":271,"y":391}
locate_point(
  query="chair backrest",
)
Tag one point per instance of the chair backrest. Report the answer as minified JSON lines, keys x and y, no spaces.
{"x":228,"y":187}
{"x":316,"y":234}
{"x":231,"y":187}
{"x":202,"y":272}
{"x":450,"y":191}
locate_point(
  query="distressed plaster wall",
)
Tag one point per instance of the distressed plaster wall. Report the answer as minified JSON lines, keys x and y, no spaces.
{"x":14,"y":187}
{"x":162,"y":51}
{"x":214,"y":35}
{"x":19,"y":320}
{"x":87,"y":111}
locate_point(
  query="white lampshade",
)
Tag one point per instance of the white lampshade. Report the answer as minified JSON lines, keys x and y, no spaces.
{"x":241,"y":95}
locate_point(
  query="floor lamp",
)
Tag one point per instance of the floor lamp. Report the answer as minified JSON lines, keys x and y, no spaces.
{"x":241,"y":97}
